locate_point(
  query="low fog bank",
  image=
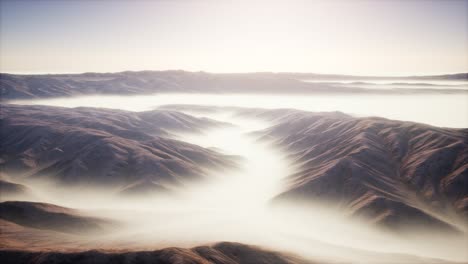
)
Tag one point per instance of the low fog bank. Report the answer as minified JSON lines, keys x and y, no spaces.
{"x":235,"y":205}
{"x":397,"y":85}
{"x":316,"y":233}
{"x":444,"y":110}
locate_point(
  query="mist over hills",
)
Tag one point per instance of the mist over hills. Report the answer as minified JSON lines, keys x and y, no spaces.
{"x":59,"y":232}
{"x":233,"y":132}
{"x":103,"y":147}
{"x":46,"y":233}
{"x":456,"y":76}
{"x":147,"y":82}
{"x":399,"y":174}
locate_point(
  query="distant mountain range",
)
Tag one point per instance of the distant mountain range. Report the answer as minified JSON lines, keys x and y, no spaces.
{"x":148,"y":82}
{"x":456,"y":76}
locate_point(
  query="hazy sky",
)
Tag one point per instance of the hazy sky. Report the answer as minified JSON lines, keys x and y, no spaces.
{"x":352,"y":37}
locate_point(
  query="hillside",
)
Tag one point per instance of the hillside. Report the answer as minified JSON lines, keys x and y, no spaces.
{"x":102,"y":147}
{"x":400,"y":174}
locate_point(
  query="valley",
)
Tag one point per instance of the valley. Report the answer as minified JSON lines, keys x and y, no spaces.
{"x":252,"y":165}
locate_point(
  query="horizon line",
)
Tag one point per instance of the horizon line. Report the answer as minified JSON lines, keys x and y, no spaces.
{"x":209,"y":72}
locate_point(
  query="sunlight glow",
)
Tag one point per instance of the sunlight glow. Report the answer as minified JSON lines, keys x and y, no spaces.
{"x":349,"y":37}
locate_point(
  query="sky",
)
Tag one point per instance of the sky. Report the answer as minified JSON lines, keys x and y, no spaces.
{"x":386,"y":37}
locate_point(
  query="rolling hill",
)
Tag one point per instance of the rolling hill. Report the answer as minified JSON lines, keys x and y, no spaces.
{"x":399,"y":174}
{"x":103,"y":147}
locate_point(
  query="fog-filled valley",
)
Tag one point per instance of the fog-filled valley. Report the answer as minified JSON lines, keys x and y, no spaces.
{"x":203,"y":177}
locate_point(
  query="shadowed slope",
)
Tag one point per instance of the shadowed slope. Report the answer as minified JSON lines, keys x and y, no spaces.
{"x":51,"y":217}
{"x":8,"y":189}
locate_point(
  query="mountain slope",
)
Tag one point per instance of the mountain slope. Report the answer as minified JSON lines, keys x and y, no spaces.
{"x":102,"y":147}
{"x":397,"y":173}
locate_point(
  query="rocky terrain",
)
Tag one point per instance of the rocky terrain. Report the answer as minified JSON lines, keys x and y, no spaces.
{"x":397,"y":173}
{"x":148,"y":82}
{"x":102,"y":147}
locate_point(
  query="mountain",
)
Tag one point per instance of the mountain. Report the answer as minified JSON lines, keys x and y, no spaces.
{"x":399,"y":174}
{"x":220,"y":253}
{"x":103,"y":147}
{"x":148,"y":82}
{"x":51,"y":217}
{"x":145,"y":82}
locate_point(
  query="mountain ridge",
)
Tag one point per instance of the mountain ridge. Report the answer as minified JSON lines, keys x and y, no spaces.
{"x":103,"y":146}
{"x":149,"y":82}
{"x":394,"y":173}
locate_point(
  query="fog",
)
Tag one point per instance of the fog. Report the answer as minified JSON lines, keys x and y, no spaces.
{"x":382,"y":84}
{"x":445,"y":110}
{"x":422,"y":82}
{"x":235,"y":205}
